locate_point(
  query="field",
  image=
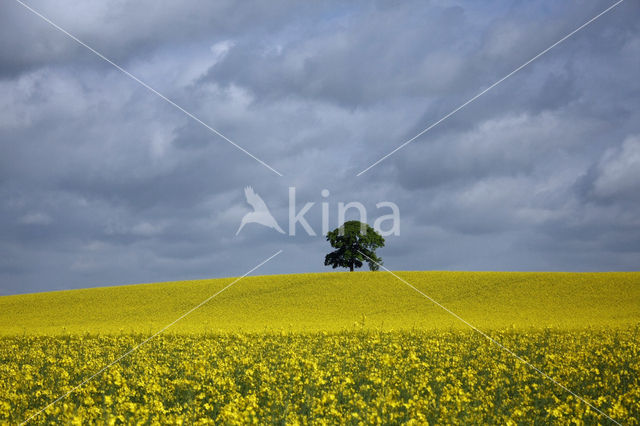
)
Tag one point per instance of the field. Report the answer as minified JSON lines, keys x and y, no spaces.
{"x":335,"y":302}
{"x":328,"y":348}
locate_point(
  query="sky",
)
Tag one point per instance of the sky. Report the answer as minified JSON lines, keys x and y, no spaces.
{"x":103,"y":182}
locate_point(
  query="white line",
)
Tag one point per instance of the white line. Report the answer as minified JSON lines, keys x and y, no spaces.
{"x":491,"y":87}
{"x":145,"y":85}
{"x":149,"y":338}
{"x":509,"y":351}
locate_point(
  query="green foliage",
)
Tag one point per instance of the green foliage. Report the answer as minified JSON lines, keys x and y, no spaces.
{"x":355,"y":242}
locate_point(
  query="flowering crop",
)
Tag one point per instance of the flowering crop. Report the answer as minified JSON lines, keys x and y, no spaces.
{"x":334,"y":302}
{"x":358,"y":376}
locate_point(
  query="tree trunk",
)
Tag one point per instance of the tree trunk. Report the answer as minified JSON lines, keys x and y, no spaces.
{"x":351,"y":266}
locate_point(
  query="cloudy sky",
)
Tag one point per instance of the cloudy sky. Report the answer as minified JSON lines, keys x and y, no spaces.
{"x":103,"y":182}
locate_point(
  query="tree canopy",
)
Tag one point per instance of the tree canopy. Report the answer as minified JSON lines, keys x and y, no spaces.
{"x":355,"y":243}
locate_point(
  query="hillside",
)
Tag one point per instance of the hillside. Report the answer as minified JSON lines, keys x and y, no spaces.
{"x":333,"y":302}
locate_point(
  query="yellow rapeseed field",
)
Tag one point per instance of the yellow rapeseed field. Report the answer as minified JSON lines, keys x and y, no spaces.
{"x":331,"y":348}
{"x":348,"y":377}
{"x":335,"y":302}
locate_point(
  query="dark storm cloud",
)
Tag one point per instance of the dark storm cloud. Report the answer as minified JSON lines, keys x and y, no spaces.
{"x":102,"y":182}
{"x":357,"y":59}
{"x":124,"y":30}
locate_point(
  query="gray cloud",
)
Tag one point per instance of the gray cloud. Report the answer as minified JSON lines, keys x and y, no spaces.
{"x":617,"y":174}
{"x":102,"y":182}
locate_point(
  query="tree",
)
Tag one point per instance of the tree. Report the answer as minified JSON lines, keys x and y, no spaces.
{"x":355,"y":242}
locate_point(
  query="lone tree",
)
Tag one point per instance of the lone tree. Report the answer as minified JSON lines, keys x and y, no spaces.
{"x":355,"y":242}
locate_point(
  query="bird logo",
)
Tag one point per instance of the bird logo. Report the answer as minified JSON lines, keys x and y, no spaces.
{"x":260,"y":213}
